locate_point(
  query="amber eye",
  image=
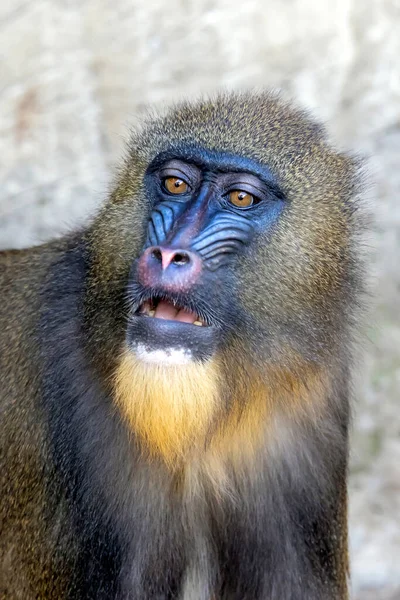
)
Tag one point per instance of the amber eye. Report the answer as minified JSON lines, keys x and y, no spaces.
{"x":241,"y":199}
{"x":175,"y":185}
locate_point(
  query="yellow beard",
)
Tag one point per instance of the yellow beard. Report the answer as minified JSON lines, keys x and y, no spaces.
{"x":177,"y":410}
{"x":171,"y":408}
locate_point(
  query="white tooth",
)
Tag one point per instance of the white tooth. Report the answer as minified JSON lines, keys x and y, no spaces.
{"x":151,"y":313}
{"x":144,"y":309}
{"x":199,"y":323}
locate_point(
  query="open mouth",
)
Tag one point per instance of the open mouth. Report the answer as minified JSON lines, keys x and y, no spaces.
{"x":171,"y":330}
{"x":161,"y":308}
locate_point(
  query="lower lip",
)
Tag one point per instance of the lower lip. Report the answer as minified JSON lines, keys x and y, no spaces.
{"x":158,"y":335}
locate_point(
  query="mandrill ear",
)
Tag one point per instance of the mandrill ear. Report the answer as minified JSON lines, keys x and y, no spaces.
{"x":170,"y":408}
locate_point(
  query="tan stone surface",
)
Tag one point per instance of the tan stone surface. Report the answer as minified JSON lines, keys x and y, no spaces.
{"x":75,"y":73}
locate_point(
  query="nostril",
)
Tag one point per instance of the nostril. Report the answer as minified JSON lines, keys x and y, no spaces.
{"x":157,"y":254}
{"x":180,"y":258}
{"x":164,"y":257}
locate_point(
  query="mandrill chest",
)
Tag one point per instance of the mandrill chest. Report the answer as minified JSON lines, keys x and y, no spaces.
{"x":177,"y":545}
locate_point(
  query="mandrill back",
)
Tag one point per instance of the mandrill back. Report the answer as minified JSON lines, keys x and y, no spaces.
{"x":175,"y":377}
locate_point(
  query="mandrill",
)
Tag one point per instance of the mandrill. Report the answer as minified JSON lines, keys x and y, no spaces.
{"x":175,"y":376}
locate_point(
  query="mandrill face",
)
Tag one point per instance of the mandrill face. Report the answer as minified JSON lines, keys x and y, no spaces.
{"x":206,"y":210}
{"x":234,"y":219}
{"x":228,"y":270}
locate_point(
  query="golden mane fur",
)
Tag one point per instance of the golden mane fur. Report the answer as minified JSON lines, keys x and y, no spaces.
{"x":178,"y":411}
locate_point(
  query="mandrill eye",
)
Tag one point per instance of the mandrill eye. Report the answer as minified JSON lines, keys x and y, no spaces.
{"x":241,"y":199}
{"x":175,"y":185}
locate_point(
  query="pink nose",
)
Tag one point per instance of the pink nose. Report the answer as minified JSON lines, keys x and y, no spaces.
{"x":166,"y":256}
{"x":172,"y":268}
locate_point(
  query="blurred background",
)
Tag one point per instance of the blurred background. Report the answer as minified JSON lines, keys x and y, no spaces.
{"x":74,"y":74}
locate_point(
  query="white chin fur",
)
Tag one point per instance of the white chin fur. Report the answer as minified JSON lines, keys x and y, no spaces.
{"x":168,"y":356}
